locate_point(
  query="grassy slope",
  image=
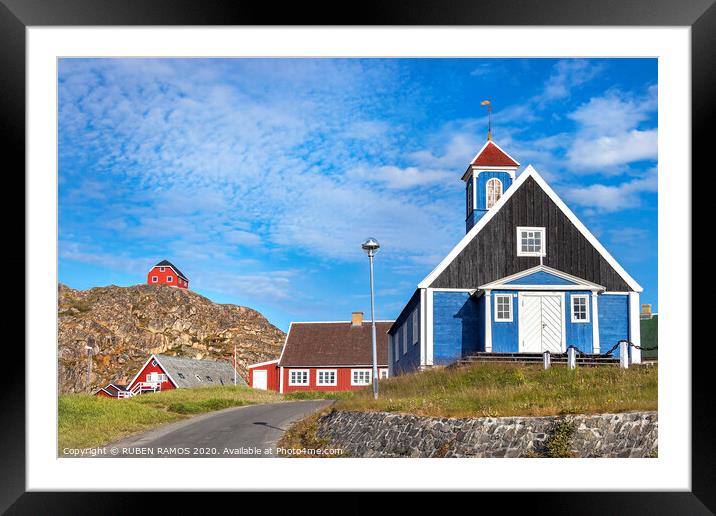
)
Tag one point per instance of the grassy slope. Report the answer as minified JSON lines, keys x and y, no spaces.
{"x":512,"y":390}
{"x":86,"y":421}
{"x":479,"y":390}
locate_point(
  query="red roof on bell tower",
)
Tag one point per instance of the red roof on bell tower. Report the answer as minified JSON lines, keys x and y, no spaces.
{"x":491,"y":155}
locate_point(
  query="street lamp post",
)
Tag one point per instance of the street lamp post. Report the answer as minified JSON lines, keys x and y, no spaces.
{"x":371,"y":247}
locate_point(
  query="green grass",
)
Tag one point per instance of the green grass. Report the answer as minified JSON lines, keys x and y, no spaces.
{"x":512,"y":390}
{"x":302,"y":435}
{"x":318,"y":395}
{"x":85,"y":421}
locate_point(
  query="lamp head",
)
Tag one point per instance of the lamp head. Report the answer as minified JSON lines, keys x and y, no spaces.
{"x":370,"y":246}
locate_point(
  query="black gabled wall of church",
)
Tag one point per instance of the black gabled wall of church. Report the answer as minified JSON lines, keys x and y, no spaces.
{"x":492,"y":254}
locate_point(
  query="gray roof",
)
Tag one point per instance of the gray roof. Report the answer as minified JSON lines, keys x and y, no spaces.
{"x":184,"y":372}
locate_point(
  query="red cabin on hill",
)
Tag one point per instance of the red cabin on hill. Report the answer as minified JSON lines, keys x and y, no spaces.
{"x":165,"y":273}
{"x":325,"y":356}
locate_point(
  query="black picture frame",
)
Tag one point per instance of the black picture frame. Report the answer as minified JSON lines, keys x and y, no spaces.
{"x":17,"y":15}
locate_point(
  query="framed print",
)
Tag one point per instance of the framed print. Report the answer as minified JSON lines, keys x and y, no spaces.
{"x":420,"y":239}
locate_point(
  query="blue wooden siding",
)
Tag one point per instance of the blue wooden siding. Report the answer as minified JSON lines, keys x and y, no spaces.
{"x":505,"y":334}
{"x":480,"y":195}
{"x":613,"y":321}
{"x":481,"y":186}
{"x":409,"y":361}
{"x":540,"y":278}
{"x":579,"y":334}
{"x":456,"y":326}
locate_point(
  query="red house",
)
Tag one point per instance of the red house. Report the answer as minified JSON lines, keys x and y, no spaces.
{"x":325,"y":356}
{"x":165,"y":273}
{"x":164,"y":373}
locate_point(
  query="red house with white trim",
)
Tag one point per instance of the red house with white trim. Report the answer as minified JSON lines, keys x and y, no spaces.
{"x":164,"y":373}
{"x":325,"y":356}
{"x":166,"y":273}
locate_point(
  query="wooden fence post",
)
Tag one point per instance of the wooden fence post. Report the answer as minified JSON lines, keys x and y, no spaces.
{"x":624,"y":354}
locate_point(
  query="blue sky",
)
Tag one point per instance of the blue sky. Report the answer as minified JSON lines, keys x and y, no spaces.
{"x":260,"y":178}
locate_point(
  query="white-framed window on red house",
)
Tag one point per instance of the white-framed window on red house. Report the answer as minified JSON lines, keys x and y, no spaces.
{"x":326,"y":377}
{"x":298,"y":377}
{"x":155,"y":279}
{"x":170,"y":279}
{"x":361,"y":376}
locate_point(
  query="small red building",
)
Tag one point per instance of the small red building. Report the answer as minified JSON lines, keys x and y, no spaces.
{"x":165,"y":273}
{"x":325,"y":356}
{"x":164,"y":373}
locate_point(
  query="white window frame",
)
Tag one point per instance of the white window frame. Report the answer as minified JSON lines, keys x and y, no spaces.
{"x":326,"y":384}
{"x":170,"y":279}
{"x":383,"y":373}
{"x":543,"y":240}
{"x":155,"y":279}
{"x":415,"y":326}
{"x":161,"y":269}
{"x":509,"y":303}
{"x":469,"y":203}
{"x":572,"y":305}
{"x":308,"y":377}
{"x":369,"y":372}
{"x":487,"y":192}
{"x":405,"y":337}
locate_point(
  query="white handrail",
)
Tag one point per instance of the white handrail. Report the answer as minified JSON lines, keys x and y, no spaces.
{"x":139,"y":388}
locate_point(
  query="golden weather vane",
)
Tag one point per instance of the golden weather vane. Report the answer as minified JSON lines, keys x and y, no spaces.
{"x":489,"y":118}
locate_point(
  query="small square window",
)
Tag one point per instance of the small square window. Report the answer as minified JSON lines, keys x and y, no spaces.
{"x":503,"y":307}
{"x":580,"y":309}
{"x":161,"y":269}
{"x":170,"y":279}
{"x":531,"y":242}
{"x":155,"y":279}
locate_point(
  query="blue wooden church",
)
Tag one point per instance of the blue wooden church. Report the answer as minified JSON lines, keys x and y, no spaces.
{"x":527,"y":277}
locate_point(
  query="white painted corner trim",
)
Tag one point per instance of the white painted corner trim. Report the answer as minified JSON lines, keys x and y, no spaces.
{"x":259,"y":364}
{"x":528,"y":172}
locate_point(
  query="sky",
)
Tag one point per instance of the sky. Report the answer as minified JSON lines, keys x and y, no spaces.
{"x":260,"y":178}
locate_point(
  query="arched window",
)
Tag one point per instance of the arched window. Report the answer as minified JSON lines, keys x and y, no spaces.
{"x":494,"y":192}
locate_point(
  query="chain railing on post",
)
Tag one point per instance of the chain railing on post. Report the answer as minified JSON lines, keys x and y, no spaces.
{"x":571,"y":357}
{"x":547,"y":360}
{"x":624,"y":354}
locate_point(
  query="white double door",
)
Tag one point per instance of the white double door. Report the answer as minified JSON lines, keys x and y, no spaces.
{"x":541,"y":326}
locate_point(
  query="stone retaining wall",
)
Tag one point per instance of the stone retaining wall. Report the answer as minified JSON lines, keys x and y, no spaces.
{"x":383,"y":434}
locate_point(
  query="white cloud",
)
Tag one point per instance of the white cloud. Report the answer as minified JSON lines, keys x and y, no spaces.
{"x":611,"y":198}
{"x":607,"y":153}
{"x":396,"y":178}
{"x":610,"y":133}
{"x":566,"y":75}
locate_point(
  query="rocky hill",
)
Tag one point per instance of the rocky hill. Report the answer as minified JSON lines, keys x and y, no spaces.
{"x":124,"y":325}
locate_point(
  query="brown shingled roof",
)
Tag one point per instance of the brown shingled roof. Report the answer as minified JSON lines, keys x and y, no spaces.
{"x":334,"y":344}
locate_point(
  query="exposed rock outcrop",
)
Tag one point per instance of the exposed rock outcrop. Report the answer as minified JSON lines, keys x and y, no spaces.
{"x":124,"y":325}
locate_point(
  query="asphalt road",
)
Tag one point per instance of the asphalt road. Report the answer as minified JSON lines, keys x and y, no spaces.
{"x":249,"y":431}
